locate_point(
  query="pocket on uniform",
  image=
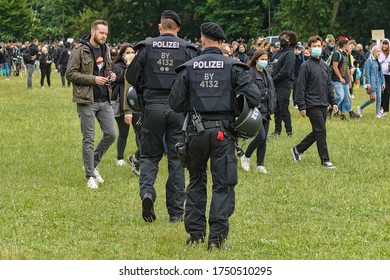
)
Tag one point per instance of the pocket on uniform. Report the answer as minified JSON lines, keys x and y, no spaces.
{"x":231,"y":170}
{"x":146,"y":141}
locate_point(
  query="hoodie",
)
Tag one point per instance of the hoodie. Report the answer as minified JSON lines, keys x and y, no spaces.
{"x":100,"y":93}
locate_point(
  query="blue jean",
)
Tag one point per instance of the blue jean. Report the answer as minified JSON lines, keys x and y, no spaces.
{"x":362,"y":76}
{"x":342,"y":96}
{"x":377,"y":94}
{"x":7,"y":67}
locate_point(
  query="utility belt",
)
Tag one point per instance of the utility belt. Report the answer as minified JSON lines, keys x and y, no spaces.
{"x":206,"y":125}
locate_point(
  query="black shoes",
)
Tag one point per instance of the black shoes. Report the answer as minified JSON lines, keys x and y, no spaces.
{"x":147,"y":208}
{"x":176,"y":219}
{"x":219,"y":245}
{"x":296,"y":154}
{"x":192,"y":240}
{"x":353,"y":115}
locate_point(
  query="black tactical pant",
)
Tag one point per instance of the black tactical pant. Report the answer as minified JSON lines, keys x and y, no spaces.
{"x":159,"y":119}
{"x":317,"y":116}
{"x":282,"y":112}
{"x":223,"y":167}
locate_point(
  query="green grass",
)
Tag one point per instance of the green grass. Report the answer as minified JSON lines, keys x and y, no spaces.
{"x":298,"y":211}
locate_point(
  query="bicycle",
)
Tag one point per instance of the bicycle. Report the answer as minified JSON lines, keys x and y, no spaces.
{"x":18,"y":67}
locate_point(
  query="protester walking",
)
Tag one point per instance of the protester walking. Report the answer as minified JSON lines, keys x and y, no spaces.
{"x":375,"y":82}
{"x":314,"y":95}
{"x":89,"y":69}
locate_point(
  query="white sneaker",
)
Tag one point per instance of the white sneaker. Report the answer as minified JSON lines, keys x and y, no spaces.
{"x":91,"y":183}
{"x":245,"y":163}
{"x":379,"y":116}
{"x":359,"y":111}
{"x":261,"y":169}
{"x":120,"y":162}
{"x":329,"y":165}
{"x":99,"y":178}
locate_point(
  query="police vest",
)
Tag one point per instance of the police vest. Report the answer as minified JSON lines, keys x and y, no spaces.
{"x":164,"y":54}
{"x":210,"y":84}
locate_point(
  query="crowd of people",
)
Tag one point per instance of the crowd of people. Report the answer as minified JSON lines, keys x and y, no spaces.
{"x":186,"y":93}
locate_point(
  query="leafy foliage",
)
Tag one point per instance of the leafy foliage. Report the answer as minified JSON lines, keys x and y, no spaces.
{"x":133,"y":20}
{"x":14,"y":17}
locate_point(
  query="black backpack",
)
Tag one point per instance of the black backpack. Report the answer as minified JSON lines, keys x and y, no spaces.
{"x":26,"y":54}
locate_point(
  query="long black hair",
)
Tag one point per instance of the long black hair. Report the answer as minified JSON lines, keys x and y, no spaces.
{"x":121,"y":52}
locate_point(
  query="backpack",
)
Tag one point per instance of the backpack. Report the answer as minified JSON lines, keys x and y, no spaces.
{"x":329,"y":63}
{"x":26,"y":55}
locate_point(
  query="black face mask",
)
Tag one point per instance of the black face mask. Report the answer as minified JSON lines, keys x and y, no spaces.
{"x":306,"y":57}
{"x":283,"y":43}
{"x":113,"y":54}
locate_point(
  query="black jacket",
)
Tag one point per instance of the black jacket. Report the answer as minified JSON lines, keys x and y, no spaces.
{"x":118,"y":86}
{"x":283,"y":73}
{"x":268,"y":97}
{"x":314,"y":86}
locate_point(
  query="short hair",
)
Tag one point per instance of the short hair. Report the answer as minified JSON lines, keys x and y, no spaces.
{"x":314,"y":39}
{"x":97,"y":22}
{"x":169,"y":24}
{"x":293,"y":37}
{"x":342,"y":43}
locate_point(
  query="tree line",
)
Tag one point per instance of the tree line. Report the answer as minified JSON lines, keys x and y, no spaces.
{"x":133,"y":20}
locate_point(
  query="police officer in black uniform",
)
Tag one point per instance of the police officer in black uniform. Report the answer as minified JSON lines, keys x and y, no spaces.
{"x":152,"y":73}
{"x":206,"y":89}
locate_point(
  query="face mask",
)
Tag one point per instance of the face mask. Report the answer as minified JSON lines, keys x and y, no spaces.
{"x":352,"y":49}
{"x":113,"y":54}
{"x":262,"y":64}
{"x":331,"y":46}
{"x":126,"y":57}
{"x":283,"y":43}
{"x":306,"y":57}
{"x":316,"y":52}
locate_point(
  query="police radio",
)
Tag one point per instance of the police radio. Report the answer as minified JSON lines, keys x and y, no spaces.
{"x":197,"y":121}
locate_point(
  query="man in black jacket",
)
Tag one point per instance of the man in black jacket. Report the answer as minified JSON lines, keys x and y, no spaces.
{"x":152,"y":73}
{"x":283,"y":76}
{"x":314,"y":94}
{"x":33,"y":49}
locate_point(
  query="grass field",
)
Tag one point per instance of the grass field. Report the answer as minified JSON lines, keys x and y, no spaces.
{"x":298,"y":211}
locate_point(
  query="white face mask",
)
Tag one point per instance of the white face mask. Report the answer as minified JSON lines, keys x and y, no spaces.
{"x":126,"y":57}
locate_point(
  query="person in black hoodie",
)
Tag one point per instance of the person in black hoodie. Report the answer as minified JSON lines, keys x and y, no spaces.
{"x":63,"y":62}
{"x":89,"y":69}
{"x":314,"y":94}
{"x":283,"y":76}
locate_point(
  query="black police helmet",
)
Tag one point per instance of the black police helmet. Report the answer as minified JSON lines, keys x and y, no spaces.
{"x":132,"y":101}
{"x":249,"y":122}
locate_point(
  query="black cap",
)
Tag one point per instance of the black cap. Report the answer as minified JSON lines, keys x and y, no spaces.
{"x":212,"y":31}
{"x":171,"y":15}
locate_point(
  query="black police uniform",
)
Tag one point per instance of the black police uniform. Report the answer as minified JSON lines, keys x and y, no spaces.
{"x":208,"y":85}
{"x":152,"y":73}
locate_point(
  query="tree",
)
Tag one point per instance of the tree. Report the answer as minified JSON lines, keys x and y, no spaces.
{"x":238,"y":18}
{"x":15,"y":16}
{"x":308,"y":18}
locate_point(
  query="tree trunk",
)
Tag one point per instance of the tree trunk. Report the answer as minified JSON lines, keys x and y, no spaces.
{"x":336,"y":6}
